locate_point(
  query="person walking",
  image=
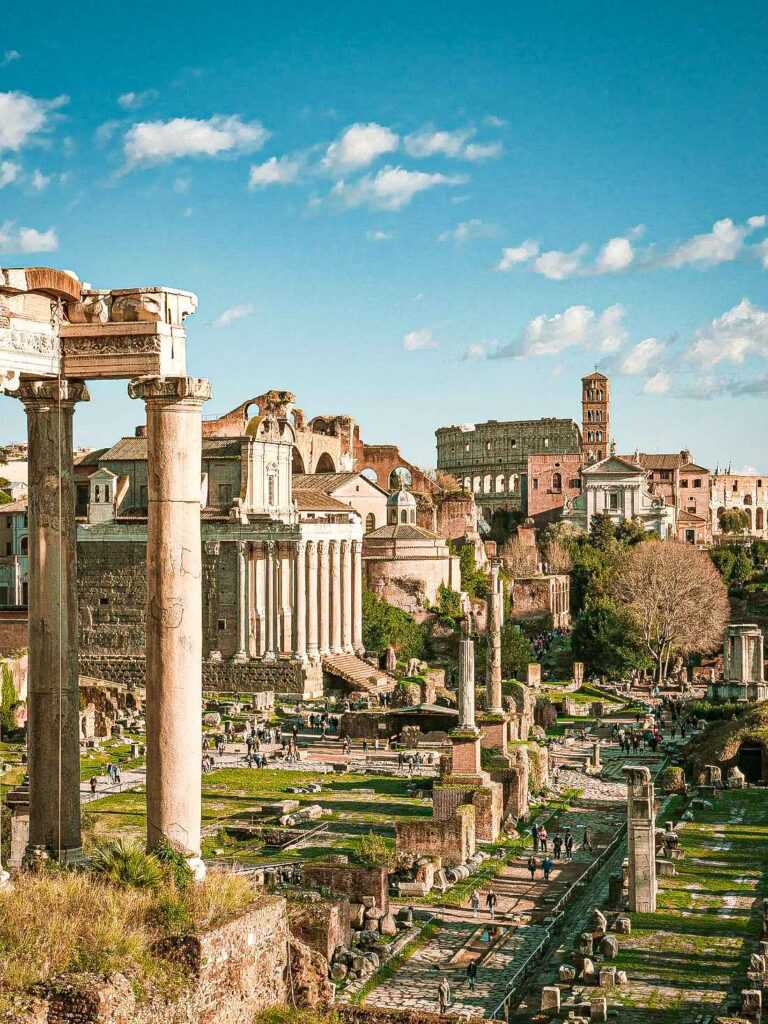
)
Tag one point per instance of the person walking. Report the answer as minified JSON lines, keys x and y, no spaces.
{"x":474,"y":902}
{"x":557,"y":846}
{"x":92,"y":784}
{"x":568,"y":845}
{"x":587,"y":840}
{"x":547,"y":864}
{"x":443,"y":996}
{"x":533,"y":866}
{"x":543,"y":839}
{"x":490,"y":902}
{"x":472,"y":974}
{"x":535,"y":837}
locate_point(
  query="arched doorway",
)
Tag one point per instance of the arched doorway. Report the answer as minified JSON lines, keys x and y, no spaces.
{"x":325,"y":464}
{"x":750,"y":761}
{"x":370,"y":474}
{"x":370,"y":522}
{"x":400,"y":477}
{"x":297,"y":462}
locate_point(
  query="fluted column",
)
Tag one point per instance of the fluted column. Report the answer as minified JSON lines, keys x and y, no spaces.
{"x":53,"y":698}
{"x":347,"y":596}
{"x":324,"y":588}
{"x":312,"y":588}
{"x":241,"y":547}
{"x":493,"y":635}
{"x":357,"y":597}
{"x":301,"y":601}
{"x":466,"y":694}
{"x":270,"y":610}
{"x":335,"y":564}
{"x":174,"y":609}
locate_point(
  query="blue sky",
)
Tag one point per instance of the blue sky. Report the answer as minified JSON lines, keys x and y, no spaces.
{"x":414,"y":214}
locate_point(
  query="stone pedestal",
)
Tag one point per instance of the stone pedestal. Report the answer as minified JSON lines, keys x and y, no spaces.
{"x":174,"y":609}
{"x":641,"y":840}
{"x":533,"y":677}
{"x":53,"y":699}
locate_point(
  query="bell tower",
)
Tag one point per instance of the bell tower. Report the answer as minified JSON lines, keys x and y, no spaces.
{"x":595,"y":417}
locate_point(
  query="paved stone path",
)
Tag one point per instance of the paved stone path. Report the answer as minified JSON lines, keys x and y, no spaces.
{"x":131,"y":778}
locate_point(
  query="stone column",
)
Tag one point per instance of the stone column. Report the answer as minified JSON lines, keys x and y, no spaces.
{"x":53,"y":698}
{"x":357,"y":597}
{"x":312,"y":644}
{"x":301,"y":601}
{"x":324,"y":581}
{"x":466,"y":685}
{"x":241,"y":548}
{"x":174,"y":612}
{"x":270,"y":611}
{"x":641,"y":841}
{"x":493,"y":633}
{"x":347,"y":596}
{"x":335,"y":564}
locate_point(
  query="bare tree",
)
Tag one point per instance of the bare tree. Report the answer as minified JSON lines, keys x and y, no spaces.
{"x":677,"y":597}
{"x":447,"y":481}
{"x":520,"y":559}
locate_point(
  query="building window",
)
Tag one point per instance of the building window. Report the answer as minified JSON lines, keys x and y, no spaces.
{"x":683,"y":483}
{"x":575,"y":484}
{"x":546,"y":442}
{"x":613,"y":501}
{"x":535,"y":483}
{"x":106,"y":492}
{"x":370,"y":522}
{"x":25,"y":545}
{"x":697,"y":482}
{"x":97,"y":493}
{"x":143,"y":496}
{"x":103,"y":601}
{"x":221,"y":625}
{"x":557,"y":482}
{"x":8,"y":548}
{"x":690,"y":536}
{"x":747,"y":499}
{"x":514,"y":443}
{"x":225,"y":494}
{"x":403,"y":515}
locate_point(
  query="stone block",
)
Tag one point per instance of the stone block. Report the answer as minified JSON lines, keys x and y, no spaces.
{"x":751,"y":1004}
{"x":566,"y":973}
{"x":606,"y":977}
{"x":609,"y":947}
{"x":598,"y":1010}
{"x":588,"y":972}
{"x":623,"y":925}
{"x":550,"y":1000}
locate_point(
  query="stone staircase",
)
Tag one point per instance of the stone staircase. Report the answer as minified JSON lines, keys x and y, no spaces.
{"x":357,"y":674}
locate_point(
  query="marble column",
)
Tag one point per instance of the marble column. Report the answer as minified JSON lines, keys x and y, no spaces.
{"x":336,"y":609}
{"x":270,"y":611}
{"x":357,"y":597}
{"x":466,"y":695}
{"x":347,"y":596}
{"x":493,"y":634}
{"x":641,"y":839}
{"x":53,"y":699}
{"x":174,"y":610}
{"x":241,"y":547}
{"x":324,"y":588}
{"x":312,"y":642}
{"x":301,"y":601}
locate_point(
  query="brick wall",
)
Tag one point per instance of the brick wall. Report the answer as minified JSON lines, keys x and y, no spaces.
{"x":351,"y":879}
{"x":218,"y":677}
{"x":452,"y":841}
{"x":14,"y":634}
{"x":323,"y":925}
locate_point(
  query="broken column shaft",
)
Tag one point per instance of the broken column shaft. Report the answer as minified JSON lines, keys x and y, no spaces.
{"x":493,"y":632}
{"x":174,"y":609}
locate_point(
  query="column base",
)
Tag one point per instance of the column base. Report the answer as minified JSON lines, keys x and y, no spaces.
{"x":5,"y":879}
{"x":36,"y":856}
{"x":240,"y":658}
{"x":270,"y":656}
{"x":359,"y":650}
{"x":198,"y":868}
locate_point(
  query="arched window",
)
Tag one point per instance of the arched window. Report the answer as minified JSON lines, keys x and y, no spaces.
{"x":271,"y":490}
{"x":747,"y":499}
{"x":748,"y":514}
{"x":370,"y":522}
{"x":476,"y":484}
{"x":25,"y":545}
{"x":467,"y":483}
{"x":512,"y":483}
{"x":557,"y":482}
{"x":487,"y":483}
{"x":759,"y":519}
{"x":403,"y":515}
{"x":599,"y":435}
{"x":500,"y":483}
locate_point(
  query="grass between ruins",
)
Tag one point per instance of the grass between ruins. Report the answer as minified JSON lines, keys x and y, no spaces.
{"x":686,"y":957}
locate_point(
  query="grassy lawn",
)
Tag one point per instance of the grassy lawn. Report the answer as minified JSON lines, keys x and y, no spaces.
{"x":687,"y":955}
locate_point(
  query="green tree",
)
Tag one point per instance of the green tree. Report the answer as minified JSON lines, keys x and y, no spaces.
{"x":606,"y":638}
{"x":7,"y":698}
{"x":760,"y":552}
{"x":743,"y":567}
{"x":592,"y":573}
{"x":631,"y":531}
{"x":448,"y":601}
{"x":733,"y":520}
{"x":383,"y":624}
{"x":516,"y":652}
{"x":473,"y":581}
{"x":602,"y":532}
{"x":724,"y":557}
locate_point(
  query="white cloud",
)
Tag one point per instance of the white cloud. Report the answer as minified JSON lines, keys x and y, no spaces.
{"x":136,"y":100}
{"x":720,"y":245}
{"x":358,"y":146}
{"x":9,"y":57}
{"x":156,"y":142}
{"x":616,"y":255}
{"x":729,"y":338}
{"x":23,"y":117}
{"x":480,"y":350}
{"x":40,"y":181}
{"x":26,"y":239}
{"x":761,"y":251}
{"x":516,"y":255}
{"x":557,"y":265}
{"x":576,"y":327}
{"x":234,"y":313}
{"x":477,"y":151}
{"x":379,"y":236}
{"x":181,"y":185}
{"x":9,"y":172}
{"x":641,"y":356}
{"x":431,"y":143}
{"x":468,"y":231}
{"x":658,"y":384}
{"x":494,"y":121}
{"x":275,"y":171}
{"x":421,"y":339}
{"x":391,"y":188}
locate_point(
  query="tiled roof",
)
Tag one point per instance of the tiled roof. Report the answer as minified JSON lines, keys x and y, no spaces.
{"x":691,"y":467}
{"x":90,"y":458}
{"x":327,"y":482}
{"x":651,"y":460}
{"x":316,"y":501}
{"x":402,"y":531}
{"x":14,"y":506}
{"x":689,"y":517}
{"x":134,"y":449}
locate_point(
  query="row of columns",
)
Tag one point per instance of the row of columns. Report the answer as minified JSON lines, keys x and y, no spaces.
{"x":174,"y":613}
{"x":305,"y":598}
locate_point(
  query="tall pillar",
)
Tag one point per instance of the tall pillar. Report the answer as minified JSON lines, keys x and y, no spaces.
{"x":259,"y":602}
{"x":301,"y":601}
{"x":335,"y":565}
{"x":284,"y":573}
{"x":270,"y":611}
{"x":467,"y":685}
{"x":324,"y":581}
{"x":347,"y":596}
{"x":241,"y":548}
{"x":174,"y":609}
{"x":493,"y":634}
{"x":312,"y":588}
{"x":53,"y":698}
{"x":357,"y":597}
{"x":641,"y":839}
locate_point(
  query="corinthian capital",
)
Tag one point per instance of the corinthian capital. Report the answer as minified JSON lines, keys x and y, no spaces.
{"x":59,"y":391}
{"x":192,"y":390}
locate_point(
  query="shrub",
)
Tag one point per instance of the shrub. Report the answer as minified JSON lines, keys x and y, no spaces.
{"x":128,"y":864}
{"x":375,"y":852}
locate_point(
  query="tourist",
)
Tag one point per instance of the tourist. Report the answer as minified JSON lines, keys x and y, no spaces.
{"x":547,"y":864}
{"x":557,"y":846}
{"x":365,"y":748}
{"x":543,"y":839}
{"x":471,"y":974}
{"x":568,"y":844}
{"x":474,"y":902}
{"x":443,"y":995}
{"x":491,"y":900}
{"x":399,"y":760}
{"x":93,"y":784}
{"x":535,"y":837}
{"x":533,"y":866}
{"x":587,"y":839}
{"x":118,"y":777}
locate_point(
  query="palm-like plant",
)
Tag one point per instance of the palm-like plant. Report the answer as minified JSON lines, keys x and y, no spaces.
{"x":126,"y":863}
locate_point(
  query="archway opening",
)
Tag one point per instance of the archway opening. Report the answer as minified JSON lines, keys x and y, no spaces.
{"x":750,"y":761}
{"x":370,"y":474}
{"x":400,"y":477}
{"x":325,"y":464}
{"x":297,"y":463}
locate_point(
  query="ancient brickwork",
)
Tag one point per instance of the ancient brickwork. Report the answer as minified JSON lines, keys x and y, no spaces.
{"x":112,"y":597}
{"x":352,"y":880}
{"x":218,"y":676}
{"x":321,"y":924}
{"x":542,"y":597}
{"x":552,"y":479}
{"x":14,"y":632}
{"x":452,"y":841}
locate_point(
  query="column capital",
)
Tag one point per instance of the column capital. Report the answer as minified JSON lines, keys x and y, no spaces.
{"x":242,"y":547}
{"x":171,"y":390}
{"x":41,"y":394}
{"x":302,"y":546}
{"x":357,"y":546}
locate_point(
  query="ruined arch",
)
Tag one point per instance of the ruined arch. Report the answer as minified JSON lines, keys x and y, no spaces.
{"x":297,"y":462}
{"x":370,"y":474}
{"x":759,"y":519}
{"x":325,"y":464}
{"x":400,"y":477}
{"x":500,"y":483}
{"x":748,"y":514}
